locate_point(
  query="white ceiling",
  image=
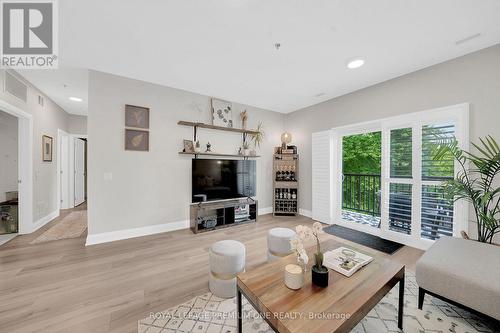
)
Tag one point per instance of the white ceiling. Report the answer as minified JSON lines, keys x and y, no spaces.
{"x":60,"y":85}
{"x":225,"y":48}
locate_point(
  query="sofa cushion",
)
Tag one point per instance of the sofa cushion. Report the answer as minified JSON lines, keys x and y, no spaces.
{"x":463,"y":271}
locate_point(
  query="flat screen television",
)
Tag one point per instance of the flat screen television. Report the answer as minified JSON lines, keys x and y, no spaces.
{"x":222,"y":179}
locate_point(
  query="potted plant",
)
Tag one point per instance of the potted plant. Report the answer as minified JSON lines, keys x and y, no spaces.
{"x":318,"y":271}
{"x":246,"y":148}
{"x":257,"y":138}
{"x":475,"y":184}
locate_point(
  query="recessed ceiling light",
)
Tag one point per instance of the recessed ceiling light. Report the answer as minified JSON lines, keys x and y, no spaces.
{"x":76,"y":99}
{"x":355,"y":63}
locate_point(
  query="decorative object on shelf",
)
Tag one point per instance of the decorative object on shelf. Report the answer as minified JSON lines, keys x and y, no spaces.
{"x":188,"y":146}
{"x":477,"y":184}
{"x":47,"y":148}
{"x":294,"y":276}
{"x":286,"y":138}
{"x":240,"y":151}
{"x":318,"y":271}
{"x":209,"y":148}
{"x":246,"y":148}
{"x":197,"y":146}
{"x":244,"y":117}
{"x":258,"y":137}
{"x":222,"y":113}
{"x":136,"y":140}
{"x":136,"y":116}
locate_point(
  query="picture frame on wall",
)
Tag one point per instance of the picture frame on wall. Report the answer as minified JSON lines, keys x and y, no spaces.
{"x":47,"y":143}
{"x":136,"y":116}
{"x":136,"y":140}
{"x":222,"y":113}
{"x":188,"y":146}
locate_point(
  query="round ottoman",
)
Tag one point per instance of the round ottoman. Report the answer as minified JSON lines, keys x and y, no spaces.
{"x":278,"y":243}
{"x":227,"y":259}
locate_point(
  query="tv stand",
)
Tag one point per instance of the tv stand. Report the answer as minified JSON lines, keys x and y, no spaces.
{"x":213,"y":215}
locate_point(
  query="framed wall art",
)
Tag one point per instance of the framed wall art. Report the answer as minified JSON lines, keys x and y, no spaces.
{"x":136,"y":140}
{"x":136,"y":116}
{"x":47,"y":142}
{"x":222,"y":113}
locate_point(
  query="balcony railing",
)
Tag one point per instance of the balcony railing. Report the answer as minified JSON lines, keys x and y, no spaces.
{"x":361,"y":193}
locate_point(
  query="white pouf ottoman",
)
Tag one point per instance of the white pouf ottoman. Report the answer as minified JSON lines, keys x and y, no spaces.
{"x":227,"y":259}
{"x":278,"y":243}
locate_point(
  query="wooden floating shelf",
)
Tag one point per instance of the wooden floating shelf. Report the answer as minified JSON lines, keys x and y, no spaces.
{"x":222,"y":155}
{"x":219,"y":128}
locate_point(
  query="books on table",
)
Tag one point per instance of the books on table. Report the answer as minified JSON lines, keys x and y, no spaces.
{"x":345,"y":261}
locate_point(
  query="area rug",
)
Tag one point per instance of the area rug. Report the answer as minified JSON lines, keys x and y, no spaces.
{"x":210,"y":314}
{"x":71,"y":226}
{"x":363,"y":238}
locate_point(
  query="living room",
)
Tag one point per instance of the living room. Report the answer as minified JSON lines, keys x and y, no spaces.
{"x":333,"y":168}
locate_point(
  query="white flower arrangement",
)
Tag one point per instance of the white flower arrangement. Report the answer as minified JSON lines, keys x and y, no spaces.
{"x":303,"y":234}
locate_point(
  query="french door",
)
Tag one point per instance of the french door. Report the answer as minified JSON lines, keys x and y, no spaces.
{"x":414,"y":209}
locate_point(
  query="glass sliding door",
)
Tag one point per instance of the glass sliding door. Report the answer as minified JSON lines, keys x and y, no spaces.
{"x":361,"y":187}
{"x":388,"y":182}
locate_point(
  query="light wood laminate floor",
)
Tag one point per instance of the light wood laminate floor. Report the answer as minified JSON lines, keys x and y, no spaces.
{"x":63,"y":286}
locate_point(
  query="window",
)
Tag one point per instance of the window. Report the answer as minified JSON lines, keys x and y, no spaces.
{"x":406,"y":200}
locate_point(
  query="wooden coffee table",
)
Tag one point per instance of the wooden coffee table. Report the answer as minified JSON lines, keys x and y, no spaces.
{"x":337,"y":308}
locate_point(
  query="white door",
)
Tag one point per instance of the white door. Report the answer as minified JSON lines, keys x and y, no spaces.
{"x":64,"y":171}
{"x":79,"y":171}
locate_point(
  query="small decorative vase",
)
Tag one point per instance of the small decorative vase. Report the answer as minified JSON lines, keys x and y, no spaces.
{"x":294,"y":276}
{"x":244,"y":124}
{"x":320,"y":276}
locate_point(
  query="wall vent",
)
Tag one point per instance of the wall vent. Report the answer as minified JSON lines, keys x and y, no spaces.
{"x":16,"y":87}
{"x":41,"y":101}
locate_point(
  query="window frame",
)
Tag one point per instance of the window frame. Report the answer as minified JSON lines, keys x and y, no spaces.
{"x":456,"y":114}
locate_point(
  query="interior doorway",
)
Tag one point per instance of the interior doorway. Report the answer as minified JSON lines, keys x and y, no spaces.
{"x":9,"y":176}
{"x":72,"y":165}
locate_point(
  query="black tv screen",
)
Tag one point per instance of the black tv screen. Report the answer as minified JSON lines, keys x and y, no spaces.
{"x":222,"y":179}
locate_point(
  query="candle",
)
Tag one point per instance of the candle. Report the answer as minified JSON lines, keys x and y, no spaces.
{"x":294,"y":276}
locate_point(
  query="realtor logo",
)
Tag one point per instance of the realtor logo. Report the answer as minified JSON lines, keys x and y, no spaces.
{"x":29,"y":34}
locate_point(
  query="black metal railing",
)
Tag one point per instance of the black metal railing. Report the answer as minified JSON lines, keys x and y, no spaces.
{"x":361,"y":193}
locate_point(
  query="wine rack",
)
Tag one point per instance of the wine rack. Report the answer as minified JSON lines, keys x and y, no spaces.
{"x":286,"y":184}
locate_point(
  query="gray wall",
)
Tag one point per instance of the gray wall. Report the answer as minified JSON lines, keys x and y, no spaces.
{"x":149,"y":188}
{"x":8,"y":154}
{"x":474,"y":78}
{"x":46,"y":121}
{"x":77,"y":124}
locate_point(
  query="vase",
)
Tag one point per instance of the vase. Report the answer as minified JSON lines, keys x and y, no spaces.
{"x":244,"y":124}
{"x":294,"y":276}
{"x":319,"y":276}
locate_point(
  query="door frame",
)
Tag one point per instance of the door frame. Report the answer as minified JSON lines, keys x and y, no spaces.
{"x":25,"y":165}
{"x":74,"y":138}
{"x":62,"y":135}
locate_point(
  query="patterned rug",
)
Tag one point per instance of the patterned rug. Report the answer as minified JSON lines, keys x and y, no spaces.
{"x":71,"y":226}
{"x":210,"y":314}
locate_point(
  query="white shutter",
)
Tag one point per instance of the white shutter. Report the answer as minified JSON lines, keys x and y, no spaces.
{"x":321,"y":176}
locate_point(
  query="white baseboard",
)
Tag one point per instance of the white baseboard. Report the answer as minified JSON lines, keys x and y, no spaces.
{"x":44,"y":220}
{"x":306,"y":213}
{"x":267,"y":210}
{"x":112,"y":236}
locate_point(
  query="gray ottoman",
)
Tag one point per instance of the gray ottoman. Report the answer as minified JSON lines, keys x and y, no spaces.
{"x":462,"y":271}
{"x":278,"y":243}
{"x":227,"y":259}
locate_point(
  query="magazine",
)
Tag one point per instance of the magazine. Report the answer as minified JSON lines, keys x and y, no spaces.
{"x":345,"y":261}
